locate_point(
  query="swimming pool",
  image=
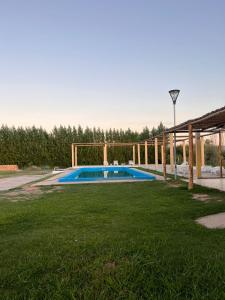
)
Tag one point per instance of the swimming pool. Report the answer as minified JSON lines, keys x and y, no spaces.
{"x":105,"y":174}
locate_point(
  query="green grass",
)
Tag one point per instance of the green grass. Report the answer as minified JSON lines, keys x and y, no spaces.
{"x":112,"y":241}
{"x":4,"y":174}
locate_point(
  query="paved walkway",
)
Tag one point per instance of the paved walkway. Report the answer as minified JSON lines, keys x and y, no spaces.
{"x":14,"y":182}
{"x":215,"y":183}
{"x":213,"y":221}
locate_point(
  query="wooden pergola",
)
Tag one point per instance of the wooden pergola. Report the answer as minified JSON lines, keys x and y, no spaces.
{"x":198,"y":128}
{"x":105,"y":145}
{"x":206,"y":125}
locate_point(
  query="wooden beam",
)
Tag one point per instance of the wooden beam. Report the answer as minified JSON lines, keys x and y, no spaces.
{"x":164,"y":155}
{"x":134,"y":154}
{"x":220,"y":155}
{"x":139,"y":154}
{"x":105,"y":156}
{"x":156,"y":153}
{"x":106,"y":153}
{"x":89,"y":145}
{"x":75,"y":155}
{"x":109,"y":144}
{"x":198,"y":155}
{"x":190,"y":184}
{"x":203,"y":151}
{"x":171,"y":153}
{"x":120,"y":144}
{"x":184,"y":152}
{"x":72,"y":155}
{"x":146,"y":153}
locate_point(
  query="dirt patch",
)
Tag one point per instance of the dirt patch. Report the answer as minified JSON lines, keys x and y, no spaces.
{"x":109,"y":266}
{"x":28,"y":192}
{"x":205,"y":198}
{"x":201,"y":197}
{"x":174,"y":184}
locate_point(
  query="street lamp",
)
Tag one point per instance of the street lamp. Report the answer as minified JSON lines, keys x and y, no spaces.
{"x":174,"y":94}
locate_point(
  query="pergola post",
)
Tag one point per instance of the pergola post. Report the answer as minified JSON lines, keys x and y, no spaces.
{"x":139,"y":154}
{"x":190,"y":184}
{"x":146,"y":152}
{"x":75,"y":155}
{"x":171,"y":153}
{"x":105,"y":159}
{"x":220,"y":155}
{"x":198,"y":155}
{"x":203,"y":151}
{"x":164,"y":155}
{"x":72,"y":154}
{"x":156,"y":153}
{"x":184,"y":152}
{"x":134,"y":154}
{"x":106,"y":153}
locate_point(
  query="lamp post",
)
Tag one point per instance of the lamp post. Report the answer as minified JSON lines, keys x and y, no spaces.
{"x":174,"y":94}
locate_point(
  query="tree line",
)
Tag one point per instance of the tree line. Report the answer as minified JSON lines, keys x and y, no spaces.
{"x":36,"y":146}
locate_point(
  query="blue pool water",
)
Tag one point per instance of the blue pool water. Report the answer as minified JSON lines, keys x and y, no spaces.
{"x":104,"y":174}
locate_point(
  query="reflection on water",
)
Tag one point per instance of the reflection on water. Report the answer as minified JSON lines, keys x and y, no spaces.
{"x":105,"y":174}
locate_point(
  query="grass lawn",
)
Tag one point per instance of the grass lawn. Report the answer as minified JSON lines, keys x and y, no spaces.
{"x":112,"y":241}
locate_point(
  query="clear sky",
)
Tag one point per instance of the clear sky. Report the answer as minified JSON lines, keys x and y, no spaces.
{"x":110,"y":63}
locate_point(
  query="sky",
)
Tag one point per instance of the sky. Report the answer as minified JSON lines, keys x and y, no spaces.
{"x":110,"y":63}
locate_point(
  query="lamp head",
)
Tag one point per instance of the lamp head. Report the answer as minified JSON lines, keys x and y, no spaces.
{"x":174,"y":94}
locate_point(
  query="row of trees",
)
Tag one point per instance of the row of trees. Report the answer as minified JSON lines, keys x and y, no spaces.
{"x":36,"y":146}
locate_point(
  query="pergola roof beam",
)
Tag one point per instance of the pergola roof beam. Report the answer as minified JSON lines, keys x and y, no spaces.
{"x":210,"y":120}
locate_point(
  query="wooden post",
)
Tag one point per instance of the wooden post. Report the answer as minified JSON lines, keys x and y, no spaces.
{"x":104,"y":155}
{"x":164,"y":155}
{"x":198,"y":155}
{"x":171,"y":153}
{"x":190,"y":184}
{"x":203,"y":151}
{"x":146,"y":152}
{"x":134,"y":154}
{"x":139,"y":154}
{"x":105,"y":163}
{"x":75,"y":155}
{"x":72,"y":153}
{"x":184,"y":152}
{"x":220,"y":155}
{"x":156,"y":153}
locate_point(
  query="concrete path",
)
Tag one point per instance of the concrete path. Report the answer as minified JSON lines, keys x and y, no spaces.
{"x":215,"y":183}
{"x":14,"y":182}
{"x":213,"y":221}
